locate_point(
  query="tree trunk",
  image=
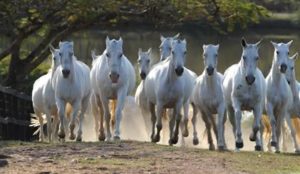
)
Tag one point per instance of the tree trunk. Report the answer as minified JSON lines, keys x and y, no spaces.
{"x":14,"y":66}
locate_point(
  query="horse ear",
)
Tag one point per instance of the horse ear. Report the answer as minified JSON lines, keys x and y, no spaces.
{"x":93,"y":53}
{"x":274,"y":44}
{"x":184,"y":41}
{"x":149,"y":51}
{"x":121,"y":41}
{"x":244,"y":43}
{"x":52,"y":49}
{"x":162,"y":38}
{"x":257,"y":43}
{"x":107,"y":41}
{"x":289,"y":43}
{"x":60,"y":43}
{"x":140,"y":51}
{"x":176,"y":36}
{"x":295,"y":56}
{"x":217,"y":47}
{"x":204,"y":46}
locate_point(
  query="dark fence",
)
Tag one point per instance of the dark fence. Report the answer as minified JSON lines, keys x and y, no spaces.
{"x":15,"y":110}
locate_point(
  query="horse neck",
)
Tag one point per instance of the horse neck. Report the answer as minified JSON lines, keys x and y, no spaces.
{"x":211,"y":81}
{"x":171,"y":76}
{"x":276,"y":74}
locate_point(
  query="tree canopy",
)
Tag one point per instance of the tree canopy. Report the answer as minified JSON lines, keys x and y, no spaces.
{"x":53,"y":20}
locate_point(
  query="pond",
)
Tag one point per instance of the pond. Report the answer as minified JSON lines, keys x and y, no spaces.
{"x":229,"y":52}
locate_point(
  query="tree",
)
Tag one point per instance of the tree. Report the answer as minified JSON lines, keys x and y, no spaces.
{"x":53,"y":20}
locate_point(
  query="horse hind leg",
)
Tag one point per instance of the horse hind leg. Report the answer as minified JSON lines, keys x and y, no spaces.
{"x":76,"y":107}
{"x":208,"y":130}
{"x":293,"y":133}
{"x":185,"y":131}
{"x":113,"y":111}
{"x":84,"y":105}
{"x":153,"y":120}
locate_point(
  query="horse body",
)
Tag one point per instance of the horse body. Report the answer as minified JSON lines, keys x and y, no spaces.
{"x":244,"y":89}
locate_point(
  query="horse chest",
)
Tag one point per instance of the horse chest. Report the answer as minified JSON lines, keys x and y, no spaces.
{"x":247,"y":96}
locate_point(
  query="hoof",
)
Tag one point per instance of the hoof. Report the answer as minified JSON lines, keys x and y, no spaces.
{"x":185,"y":133}
{"x":101,"y":137}
{"x":61,"y":135}
{"x":222,"y":148}
{"x":277,"y":151}
{"x":297,"y":151}
{"x":195,"y":141}
{"x":211,"y":147}
{"x":117,"y":138}
{"x":175,"y":139}
{"x":170,"y":142}
{"x":156,"y":139}
{"x":78,"y":139}
{"x":252,"y":137}
{"x":258,"y":148}
{"x":273,"y":143}
{"x":72,"y":136}
{"x":239,"y":145}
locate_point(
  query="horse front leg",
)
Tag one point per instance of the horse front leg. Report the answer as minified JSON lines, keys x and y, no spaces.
{"x":159,"y":113}
{"x":95,"y":112}
{"x":76,"y":107}
{"x":118,"y":113}
{"x":270,"y":108}
{"x":185,"y":131}
{"x":153,"y":120}
{"x":221,"y":121}
{"x":257,"y":112}
{"x":61,"y":104}
{"x":194,"y":122}
{"x":84,"y":105}
{"x":177,"y":113}
{"x":105,"y":106}
{"x":101,"y":136}
{"x":238,"y":118}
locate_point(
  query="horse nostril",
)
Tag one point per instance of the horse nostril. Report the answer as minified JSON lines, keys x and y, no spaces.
{"x":250,"y":79}
{"x":283,"y":68}
{"x":179,"y":70}
{"x":210,"y":70}
{"x":143,"y":75}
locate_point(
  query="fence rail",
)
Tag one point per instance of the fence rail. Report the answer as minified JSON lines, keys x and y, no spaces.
{"x":15,"y":109}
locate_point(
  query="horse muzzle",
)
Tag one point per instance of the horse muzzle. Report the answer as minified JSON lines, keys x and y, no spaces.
{"x":143,"y":75}
{"x":114,"y":77}
{"x":210,"y":70}
{"x":66,"y":73}
{"x":250,"y":79}
{"x":283,"y":68}
{"x":179,"y":71}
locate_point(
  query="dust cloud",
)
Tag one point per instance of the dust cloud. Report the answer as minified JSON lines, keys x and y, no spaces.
{"x":136,"y":127}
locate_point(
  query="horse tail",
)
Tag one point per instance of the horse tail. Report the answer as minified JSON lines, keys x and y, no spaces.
{"x":113,"y":112}
{"x":36,"y":122}
{"x":296,"y":124}
{"x":267,"y":126}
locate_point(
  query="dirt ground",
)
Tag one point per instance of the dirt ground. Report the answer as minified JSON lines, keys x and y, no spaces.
{"x":136,"y":157}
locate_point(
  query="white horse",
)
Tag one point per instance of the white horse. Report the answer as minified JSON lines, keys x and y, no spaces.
{"x":244,"y":89}
{"x":165,"y":51}
{"x":165,"y":47}
{"x":71,"y":84}
{"x":294,"y":111}
{"x":208,"y":96}
{"x":165,"y":87}
{"x":279,"y":97}
{"x":113,"y":78}
{"x":144,"y":60}
{"x":43,"y":99}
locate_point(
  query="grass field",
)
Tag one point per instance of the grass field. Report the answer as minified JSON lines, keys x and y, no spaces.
{"x":137,"y":157}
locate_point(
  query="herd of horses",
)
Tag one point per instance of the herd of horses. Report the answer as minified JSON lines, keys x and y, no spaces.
{"x":166,"y":89}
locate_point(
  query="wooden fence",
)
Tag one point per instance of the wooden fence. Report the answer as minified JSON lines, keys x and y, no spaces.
{"x":15,"y":110}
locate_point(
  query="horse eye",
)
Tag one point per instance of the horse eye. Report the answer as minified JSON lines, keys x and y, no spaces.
{"x":60,"y":54}
{"x":257,"y":58}
{"x":107,"y":55}
{"x":288,"y":52}
{"x":292,"y":68}
{"x":216,"y":55}
{"x":184,"y":53}
{"x":204,"y":55}
{"x":148,"y":61}
{"x":277,"y":52}
{"x":244,"y":57}
{"x":170,"y":48}
{"x":172,"y":52}
{"x":120,"y":55}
